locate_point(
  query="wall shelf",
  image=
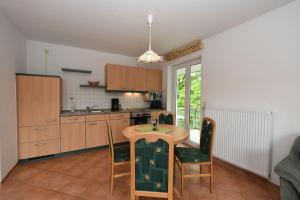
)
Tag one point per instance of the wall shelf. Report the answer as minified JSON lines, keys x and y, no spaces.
{"x":93,"y":86}
{"x":76,"y":70}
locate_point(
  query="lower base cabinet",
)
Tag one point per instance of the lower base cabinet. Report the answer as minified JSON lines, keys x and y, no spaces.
{"x":96,"y":130}
{"x":72,"y":136}
{"x":39,"y":148}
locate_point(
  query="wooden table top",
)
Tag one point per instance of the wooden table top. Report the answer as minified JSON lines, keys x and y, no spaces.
{"x":179,"y":134}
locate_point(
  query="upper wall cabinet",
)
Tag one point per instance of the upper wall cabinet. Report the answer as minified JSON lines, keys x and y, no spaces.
{"x":135,"y":79}
{"x":154,"y":80}
{"x":38,"y":100}
{"x":115,"y":77}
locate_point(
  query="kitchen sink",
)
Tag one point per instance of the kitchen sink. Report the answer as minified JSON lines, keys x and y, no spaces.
{"x":96,"y":111}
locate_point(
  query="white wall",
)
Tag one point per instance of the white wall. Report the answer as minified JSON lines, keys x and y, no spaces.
{"x":66,"y":56}
{"x":12,"y":60}
{"x":256,"y":66}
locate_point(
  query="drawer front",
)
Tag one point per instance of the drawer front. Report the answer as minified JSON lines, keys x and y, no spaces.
{"x":41,"y":148}
{"x":93,"y":118}
{"x":38,"y":133}
{"x":72,"y":119}
{"x":119,"y":116}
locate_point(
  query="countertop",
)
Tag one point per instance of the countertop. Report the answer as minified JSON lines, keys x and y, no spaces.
{"x":66,"y":113}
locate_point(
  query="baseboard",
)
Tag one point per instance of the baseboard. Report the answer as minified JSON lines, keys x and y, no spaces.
{"x":250,"y":175}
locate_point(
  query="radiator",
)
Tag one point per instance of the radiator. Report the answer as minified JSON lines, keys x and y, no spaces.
{"x":243,"y":138}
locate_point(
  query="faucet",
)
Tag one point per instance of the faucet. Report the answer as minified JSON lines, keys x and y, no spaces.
{"x":89,"y":109}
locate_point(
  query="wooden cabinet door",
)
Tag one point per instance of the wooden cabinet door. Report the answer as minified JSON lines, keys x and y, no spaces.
{"x":38,"y":100}
{"x":154,"y":80}
{"x":136,"y":79}
{"x":96,"y":134}
{"x":117,"y":125}
{"x":72,"y":136}
{"x":115,"y":77}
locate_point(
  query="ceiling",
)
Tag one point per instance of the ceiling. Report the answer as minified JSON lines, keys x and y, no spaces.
{"x":120,"y":26}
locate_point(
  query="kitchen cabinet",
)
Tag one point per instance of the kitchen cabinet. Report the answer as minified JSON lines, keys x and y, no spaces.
{"x":136,"y":79}
{"x":115,"y":77}
{"x":38,"y":111}
{"x":119,"y":122}
{"x":72,"y":133}
{"x":38,"y":148}
{"x":125,"y":78}
{"x":38,"y":100}
{"x":96,"y":130}
{"x":154,"y":80}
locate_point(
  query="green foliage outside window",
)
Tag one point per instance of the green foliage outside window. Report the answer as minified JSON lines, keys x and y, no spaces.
{"x":195,"y":104}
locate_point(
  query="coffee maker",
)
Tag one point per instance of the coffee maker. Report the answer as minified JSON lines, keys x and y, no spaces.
{"x":115,"y":105}
{"x":156,"y":104}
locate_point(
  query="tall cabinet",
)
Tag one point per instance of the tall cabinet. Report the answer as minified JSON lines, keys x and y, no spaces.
{"x":39,"y":101}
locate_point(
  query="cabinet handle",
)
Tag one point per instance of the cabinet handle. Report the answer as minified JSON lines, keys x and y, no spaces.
{"x":40,"y":144}
{"x":51,"y":120}
{"x":73,"y":118}
{"x":41,"y":128}
{"x":92,"y":124}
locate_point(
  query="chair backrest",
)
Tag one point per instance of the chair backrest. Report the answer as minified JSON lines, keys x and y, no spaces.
{"x":152,"y":160}
{"x":167,"y":118}
{"x":110,"y":140}
{"x":207,"y":136}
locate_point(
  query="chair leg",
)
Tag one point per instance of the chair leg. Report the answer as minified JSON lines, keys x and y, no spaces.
{"x":182,"y":167}
{"x":112,"y":178}
{"x":200,"y":169}
{"x":211,"y":177}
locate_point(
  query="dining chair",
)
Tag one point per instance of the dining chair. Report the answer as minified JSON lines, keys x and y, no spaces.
{"x":186,"y":156}
{"x":152,"y":158}
{"x":166,"y":118}
{"x":118,"y":155}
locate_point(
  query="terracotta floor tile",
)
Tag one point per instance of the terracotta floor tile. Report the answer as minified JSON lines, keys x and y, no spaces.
{"x":76,"y":187}
{"x":60,"y":196}
{"x":228,"y":195}
{"x":60,"y":166}
{"x":50,"y":180}
{"x":26,"y":175}
{"x":78,"y":170}
{"x":14,"y":190}
{"x":37,"y":194}
{"x":43,"y":164}
{"x":85,"y":176}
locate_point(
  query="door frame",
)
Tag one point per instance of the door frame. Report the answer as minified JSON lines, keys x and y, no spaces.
{"x":187,"y":65}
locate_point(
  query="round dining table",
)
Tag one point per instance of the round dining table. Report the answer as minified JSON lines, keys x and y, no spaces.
{"x":178,"y":134}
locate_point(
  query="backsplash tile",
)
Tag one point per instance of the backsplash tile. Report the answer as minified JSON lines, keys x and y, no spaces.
{"x":84,"y":97}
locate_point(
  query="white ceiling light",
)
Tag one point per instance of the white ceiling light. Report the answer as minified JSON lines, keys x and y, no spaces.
{"x":150,"y":56}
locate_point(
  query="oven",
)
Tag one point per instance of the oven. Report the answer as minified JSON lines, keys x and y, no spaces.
{"x":140,"y":117}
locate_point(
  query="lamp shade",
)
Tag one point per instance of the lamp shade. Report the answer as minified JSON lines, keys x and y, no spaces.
{"x":150,"y":57}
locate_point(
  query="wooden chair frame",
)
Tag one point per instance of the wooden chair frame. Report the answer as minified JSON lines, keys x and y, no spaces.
{"x":210,"y":163}
{"x":111,"y":160}
{"x":152,"y":137}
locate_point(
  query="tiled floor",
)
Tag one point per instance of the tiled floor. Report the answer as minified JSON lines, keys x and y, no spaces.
{"x":85,"y":176}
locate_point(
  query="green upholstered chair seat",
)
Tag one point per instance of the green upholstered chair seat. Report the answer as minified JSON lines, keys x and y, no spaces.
{"x":190,"y":155}
{"x":151,"y":166}
{"x":122,"y":152}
